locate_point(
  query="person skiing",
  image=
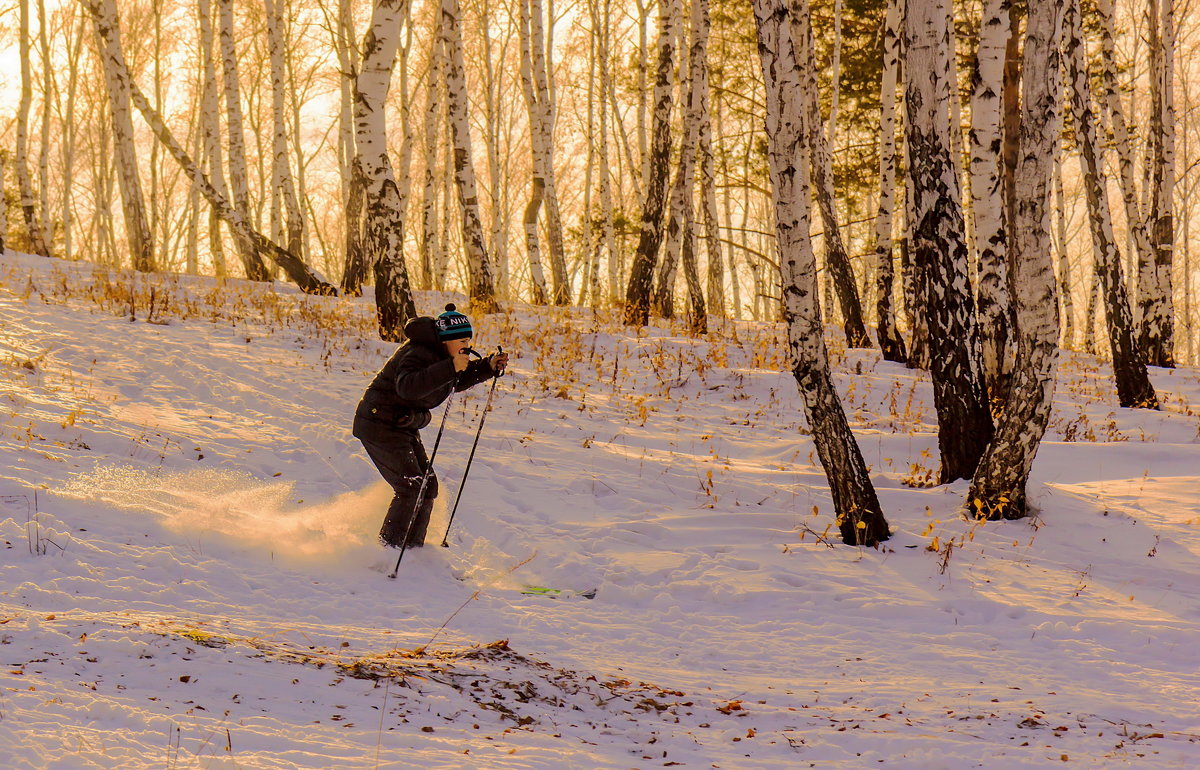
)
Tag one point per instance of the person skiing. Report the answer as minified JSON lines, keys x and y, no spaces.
{"x":416,"y":379}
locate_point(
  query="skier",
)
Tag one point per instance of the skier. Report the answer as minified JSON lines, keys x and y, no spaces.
{"x":417,"y":378}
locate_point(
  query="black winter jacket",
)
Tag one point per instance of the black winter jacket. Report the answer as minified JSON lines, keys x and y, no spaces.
{"x":417,"y":378}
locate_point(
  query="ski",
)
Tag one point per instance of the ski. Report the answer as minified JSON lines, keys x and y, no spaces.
{"x":555,"y":593}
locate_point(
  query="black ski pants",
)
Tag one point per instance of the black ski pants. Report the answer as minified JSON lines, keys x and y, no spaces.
{"x":400,"y":457}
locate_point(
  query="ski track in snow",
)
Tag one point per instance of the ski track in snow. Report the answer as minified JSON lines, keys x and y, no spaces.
{"x":210,"y":589}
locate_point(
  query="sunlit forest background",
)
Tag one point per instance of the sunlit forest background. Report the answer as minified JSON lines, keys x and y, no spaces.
{"x":279,"y":138}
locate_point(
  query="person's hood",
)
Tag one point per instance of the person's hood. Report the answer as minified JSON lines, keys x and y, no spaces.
{"x":421,"y":331}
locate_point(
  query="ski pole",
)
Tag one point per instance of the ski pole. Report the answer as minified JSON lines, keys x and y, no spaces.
{"x":424,"y":483}
{"x":470,"y":457}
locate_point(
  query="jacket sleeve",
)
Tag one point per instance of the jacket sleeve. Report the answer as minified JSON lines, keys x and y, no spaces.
{"x":417,"y":376}
{"x":476,"y":372}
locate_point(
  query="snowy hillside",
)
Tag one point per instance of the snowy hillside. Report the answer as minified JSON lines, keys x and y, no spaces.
{"x":189,"y":575}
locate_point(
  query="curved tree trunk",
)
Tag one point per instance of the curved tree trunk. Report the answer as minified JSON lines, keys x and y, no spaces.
{"x":307,"y":279}
{"x":1129,"y":368}
{"x":859,"y":516}
{"x":939,"y":246}
{"x":998,"y":489}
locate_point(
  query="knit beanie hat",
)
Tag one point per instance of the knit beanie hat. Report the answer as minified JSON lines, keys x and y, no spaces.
{"x":452,"y":325}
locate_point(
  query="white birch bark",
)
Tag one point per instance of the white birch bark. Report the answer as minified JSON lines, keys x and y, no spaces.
{"x":837,"y":260}
{"x":987,"y":195}
{"x":542,"y":132}
{"x":480,"y":282}
{"x":1122,"y":141}
{"x":1154,"y":281}
{"x":682,"y":206}
{"x":537,"y":192}
{"x":116,"y":76}
{"x":859,"y":516}
{"x":4,"y":208}
{"x":641,"y":273}
{"x":427,"y":244}
{"x":307,"y":279}
{"x":70,"y":137}
{"x":939,"y":250}
{"x":606,"y":196}
{"x":716,"y":303}
{"x":891,"y":344}
{"x":999,"y":487}
{"x":383,"y":230}
{"x":210,"y":126}
{"x":44,"y":143}
{"x":238,"y":175}
{"x":281,"y":173}
{"x":33,"y":225}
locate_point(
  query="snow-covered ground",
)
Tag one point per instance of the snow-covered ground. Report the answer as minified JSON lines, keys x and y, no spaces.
{"x":189,"y":578}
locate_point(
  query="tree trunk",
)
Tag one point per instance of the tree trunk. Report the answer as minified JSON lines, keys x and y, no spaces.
{"x":999,"y":487}
{"x":33,"y":225}
{"x":641,"y":273}
{"x":543,"y":130}
{"x":3,"y":204}
{"x":307,"y":279}
{"x":433,"y":107}
{"x":479,"y":268}
{"x":210,"y":127}
{"x":987,"y":197}
{"x":251,"y":259}
{"x":837,"y":260}
{"x":281,"y":173}
{"x":859,"y":516}
{"x":939,"y":246}
{"x":682,"y":208}
{"x":1133,"y":383}
{"x":116,"y":76}
{"x":44,"y":143}
{"x":537,"y":191}
{"x":1134,"y":218}
{"x":1154,"y":281}
{"x":891,"y":344}
{"x":383,"y":226}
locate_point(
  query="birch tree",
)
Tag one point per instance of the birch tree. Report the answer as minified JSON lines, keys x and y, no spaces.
{"x":33,"y":224}
{"x":837,"y":260}
{"x":3,"y":203}
{"x":1133,"y":383}
{"x":384,"y":201}
{"x":537,"y":144}
{"x":987,"y":195}
{"x":479,"y":269}
{"x":1154,"y":276}
{"x":307,"y":279}
{"x":859,"y":515}
{"x":681,"y":216}
{"x":116,"y":77}
{"x":236,"y":141}
{"x":281,"y":174}
{"x":641,"y":272}
{"x":891,"y":343}
{"x":999,"y":487}
{"x":210,"y":128}
{"x":939,"y":247}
